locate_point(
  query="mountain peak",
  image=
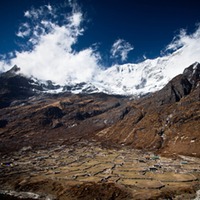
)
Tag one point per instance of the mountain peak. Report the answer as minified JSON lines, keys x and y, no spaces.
{"x":192,"y":72}
{"x":13,"y":71}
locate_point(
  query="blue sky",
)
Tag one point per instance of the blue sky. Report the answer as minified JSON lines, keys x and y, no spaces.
{"x":75,"y":41}
{"x":147,"y":25}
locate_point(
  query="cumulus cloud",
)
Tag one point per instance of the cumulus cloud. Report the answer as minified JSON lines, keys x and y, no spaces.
{"x":50,"y":34}
{"x":121,"y":48}
{"x":184,"y":49}
{"x":24,"y":30}
{"x":185,"y":41}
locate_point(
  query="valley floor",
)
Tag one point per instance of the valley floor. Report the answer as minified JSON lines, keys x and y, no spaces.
{"x":86,"y":170}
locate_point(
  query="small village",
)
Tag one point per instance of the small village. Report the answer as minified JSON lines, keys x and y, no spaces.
{"x":144,"y":174}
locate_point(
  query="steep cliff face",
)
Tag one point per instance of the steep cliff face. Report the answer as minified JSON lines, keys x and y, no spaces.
{"x":167,"y":121}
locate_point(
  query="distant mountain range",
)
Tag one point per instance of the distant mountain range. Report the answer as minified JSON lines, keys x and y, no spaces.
{"x":128,"y":79}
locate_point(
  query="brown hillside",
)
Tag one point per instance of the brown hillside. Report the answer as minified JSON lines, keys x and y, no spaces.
{"x":166,"y":122}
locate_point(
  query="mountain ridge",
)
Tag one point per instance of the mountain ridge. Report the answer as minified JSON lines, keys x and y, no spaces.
{"x":127,"y":79}
{"x":112,"y":114}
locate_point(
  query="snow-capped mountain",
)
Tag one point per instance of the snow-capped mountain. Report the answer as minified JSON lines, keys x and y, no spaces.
{"x":142,"y":78}
{"x":128,"y":79}
{"x":133,"y":79}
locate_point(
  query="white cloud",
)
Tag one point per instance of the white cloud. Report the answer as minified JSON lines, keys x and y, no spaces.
{"x":27,"y":14}
{"x":75,"y":19}
{"x":33,"y":13}
{"x":51,"y":56}
{"x":49,"y":7}
{"x":185,"y":49}
{"x":177,"y":42}
{"x":24,"y":30}
{"x":121,"y":48}
{"x":185,"y":41}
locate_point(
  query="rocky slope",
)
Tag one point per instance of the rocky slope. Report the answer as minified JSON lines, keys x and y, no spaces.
{"x":169,"y":118}
{"x":166,"y":121}
{"x":48,"y":118}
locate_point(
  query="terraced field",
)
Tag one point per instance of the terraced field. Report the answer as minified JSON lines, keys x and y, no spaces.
{"x":86,"y":170}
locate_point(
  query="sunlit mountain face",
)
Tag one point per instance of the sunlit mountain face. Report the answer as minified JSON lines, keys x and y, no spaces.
{"x":49,"y":37}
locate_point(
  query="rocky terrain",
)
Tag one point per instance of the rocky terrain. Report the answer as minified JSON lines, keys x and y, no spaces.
{"x":99,"y":146}
{"x":169,"y":118}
